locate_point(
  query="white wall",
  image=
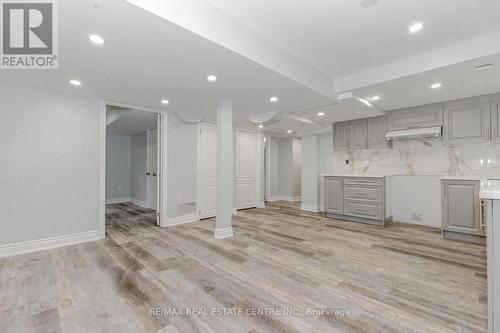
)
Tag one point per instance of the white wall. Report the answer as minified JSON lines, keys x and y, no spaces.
{"x":118,"y":161}
{"x":297,"y":166}
{"x":310,"y":173}
{"x":274,"y":170}
{"x":419,"y":195}
{"x":182,"y":168}
{"x":325,"y":153}
{"x":285,"y":156}
{"x":49,"y":170}
{"x":138,"y":178}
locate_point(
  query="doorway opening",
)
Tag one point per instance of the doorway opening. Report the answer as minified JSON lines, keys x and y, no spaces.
{"x":283,"y":170}
{"x":133,"y":164}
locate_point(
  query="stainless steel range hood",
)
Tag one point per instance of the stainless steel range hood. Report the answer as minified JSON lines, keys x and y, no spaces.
{"x":416,"y":133}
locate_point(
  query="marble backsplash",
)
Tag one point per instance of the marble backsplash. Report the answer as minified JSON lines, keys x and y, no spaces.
{"x":422,"y":157}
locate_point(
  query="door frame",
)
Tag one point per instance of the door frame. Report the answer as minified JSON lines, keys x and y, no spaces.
{"x":148,"y":156}
{"x":102,"y":163}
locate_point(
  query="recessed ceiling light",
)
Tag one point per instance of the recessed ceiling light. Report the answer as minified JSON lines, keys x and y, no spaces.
{"x":261,"y":126}
{"x":375,"y":98}
{"x":96,"y":39}
{"x":164,"y":101}
{"x":484,"y":66}
{"x":321,"y":114}
{"x":212,"y":78}
{"x":416,"y":27}
{"x":436,"y":85}
{"x":75,"y":82}
{"x":289,"y":131}
{"x":273,"y":99}
{"x":368,"y":3}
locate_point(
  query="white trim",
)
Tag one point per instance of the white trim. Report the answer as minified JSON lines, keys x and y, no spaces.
{"x":173,"y":221}
{"x":140,"y":203}
{"x":102,"y":164}
{"x":102,"y":171}
{"x":261,"y":204}
{"x":224,"y":233}
{"x":284,"y":198}
{"x":118,"y":200}
{"x":309,"y":208}
{"x":49,"y":243}
{"x":163,"y":170}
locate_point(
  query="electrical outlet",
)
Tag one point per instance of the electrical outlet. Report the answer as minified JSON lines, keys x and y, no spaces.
{"x":416,"y":217}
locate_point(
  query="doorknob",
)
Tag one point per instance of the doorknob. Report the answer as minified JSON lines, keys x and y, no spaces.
{"x":148,"y":174}
{"x":154,"y":174}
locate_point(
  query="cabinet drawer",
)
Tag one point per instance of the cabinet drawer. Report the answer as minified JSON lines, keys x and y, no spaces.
{"x":363,"y":209}
{"x":363,"y":181}
{"x":353,"y":192}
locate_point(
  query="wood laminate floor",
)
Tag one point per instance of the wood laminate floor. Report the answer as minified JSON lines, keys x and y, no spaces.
{"x":329,"y":275}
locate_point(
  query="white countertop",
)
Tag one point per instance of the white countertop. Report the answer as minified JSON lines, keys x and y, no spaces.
{"x":358,"y":176}
{"x":463,"y":178}
{"x":490,"y":189}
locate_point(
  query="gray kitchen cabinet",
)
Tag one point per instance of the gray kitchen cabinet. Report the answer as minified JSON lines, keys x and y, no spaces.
{"x":358,"y":138}
{"x":467,"y":122}
{"x":377,"y":128}
{"x":461,"y":208}
{"x":341,"y":136}
{"x":417,"y":117}
{"x":495,"y":120}
{"x":359,"y":199}
{"x":368,"y":210}
{"x":334,"y":195}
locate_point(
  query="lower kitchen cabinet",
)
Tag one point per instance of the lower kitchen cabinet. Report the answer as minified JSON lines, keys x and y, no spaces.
{"x":461,"y":209}
{"x":359,"y":199}
{"x":334,"y":195}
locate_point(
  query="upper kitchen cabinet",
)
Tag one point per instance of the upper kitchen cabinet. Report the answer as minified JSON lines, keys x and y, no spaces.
{"x":358,"y":138}
{"x":377,"y":128}
{"x":495,"y":120}
{"x":361,"y":134}
{"x":341,"y":136}
{"x":418,"y":117}
{"x":467,"y":121}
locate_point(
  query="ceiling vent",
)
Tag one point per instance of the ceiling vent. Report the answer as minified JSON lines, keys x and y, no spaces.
{"x":417,"y":133}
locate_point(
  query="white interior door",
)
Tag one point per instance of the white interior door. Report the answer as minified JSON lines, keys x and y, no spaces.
{"x":152,"y":174}
{"x":208,"y":170}
{"x":244,"y":175}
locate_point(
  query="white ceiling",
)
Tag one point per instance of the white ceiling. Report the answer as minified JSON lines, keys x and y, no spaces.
{"x":340,"y":37}
{"x":458,"y":81}
{"x":149,"y":57}
{"x":146,"y":58}
{"x":130,"y":122}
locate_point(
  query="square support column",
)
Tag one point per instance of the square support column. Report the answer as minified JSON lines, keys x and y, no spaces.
{"x":310,"y":174}
{"x":225,"y":170}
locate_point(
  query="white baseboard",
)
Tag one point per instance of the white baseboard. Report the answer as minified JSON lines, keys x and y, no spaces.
{"x":261,"y":204}
{"x":224,"y":233}
{"x":297,"y":198}
{"x":118,"y":200}
{"x":172,"y":221}
{"x":309,"y":208}
{"x":138,"y":202}
{"x":49,"y":243}
{"x":285,"y":198}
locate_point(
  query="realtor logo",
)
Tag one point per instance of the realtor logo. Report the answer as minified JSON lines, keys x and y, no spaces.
{"x":29,"y":34}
